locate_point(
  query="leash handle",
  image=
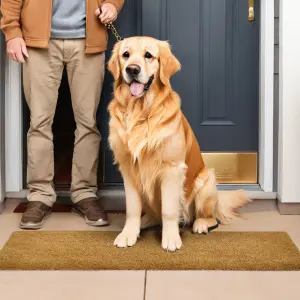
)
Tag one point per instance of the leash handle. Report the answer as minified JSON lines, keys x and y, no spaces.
{"x":114,"y":31}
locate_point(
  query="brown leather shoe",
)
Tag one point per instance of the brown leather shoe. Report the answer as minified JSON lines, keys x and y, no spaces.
{"x":35,"y":214}
{"x":91,"y":210}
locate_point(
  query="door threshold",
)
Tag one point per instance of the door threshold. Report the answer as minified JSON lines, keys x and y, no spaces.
{"x":246,"y":187}
{"x":113,"y":198}
{"x":116,"y":193}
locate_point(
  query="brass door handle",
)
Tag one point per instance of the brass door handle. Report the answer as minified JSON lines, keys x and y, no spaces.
{"x":251,"y":16}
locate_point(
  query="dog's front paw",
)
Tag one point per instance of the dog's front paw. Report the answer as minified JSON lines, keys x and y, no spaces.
{"x":127,"y":238}
{"x":171,"y":240}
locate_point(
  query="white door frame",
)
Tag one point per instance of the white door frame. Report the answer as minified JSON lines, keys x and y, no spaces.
{"x":13,"y":110}
{"x":266,"y":95}
{"x":2,"y":123}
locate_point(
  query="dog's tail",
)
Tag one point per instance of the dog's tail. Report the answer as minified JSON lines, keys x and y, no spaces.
{"x":222,"y":205}
{"x":228,"y":203}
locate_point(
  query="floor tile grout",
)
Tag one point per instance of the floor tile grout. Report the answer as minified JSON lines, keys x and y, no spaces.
{"x":145,"y":285}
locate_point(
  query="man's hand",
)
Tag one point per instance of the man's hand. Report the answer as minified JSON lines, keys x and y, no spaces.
{"x":16,"y":49}
{"x":107,"y":13}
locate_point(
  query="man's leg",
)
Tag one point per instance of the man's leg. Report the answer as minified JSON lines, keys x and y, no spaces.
{"x":86,"y":75}
{"x":42,"y":74}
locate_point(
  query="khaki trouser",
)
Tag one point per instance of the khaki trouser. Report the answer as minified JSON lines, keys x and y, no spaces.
{"x":42,"y":77}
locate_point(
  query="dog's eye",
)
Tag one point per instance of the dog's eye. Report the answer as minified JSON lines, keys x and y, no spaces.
{"x":126,"y":54}
{"x":148,"y":55}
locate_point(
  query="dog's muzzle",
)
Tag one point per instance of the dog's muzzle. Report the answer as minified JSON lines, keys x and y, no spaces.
{"x":137,"y":89}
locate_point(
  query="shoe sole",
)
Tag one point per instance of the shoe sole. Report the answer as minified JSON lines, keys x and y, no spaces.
{"x":34,"y":226}
{"x":97,"y":223}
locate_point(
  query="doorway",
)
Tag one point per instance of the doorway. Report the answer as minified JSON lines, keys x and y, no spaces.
{"x":219,"y":85}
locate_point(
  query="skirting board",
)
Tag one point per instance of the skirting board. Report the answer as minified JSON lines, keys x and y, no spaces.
{"x":114,"y":199}
{"x":288,"y":208}
{"x":1,"y":206}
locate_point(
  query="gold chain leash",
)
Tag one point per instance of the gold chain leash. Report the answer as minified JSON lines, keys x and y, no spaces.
{"x":114,"y":31}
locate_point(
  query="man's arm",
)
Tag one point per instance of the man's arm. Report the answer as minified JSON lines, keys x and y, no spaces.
{"x":11,"y":27}
{"x":10,"y":21}
{"x":117,"y":3}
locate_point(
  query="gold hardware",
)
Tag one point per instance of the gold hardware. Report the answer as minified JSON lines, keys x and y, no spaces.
{"x":251,"y":16}
{"x":239,"y":168}
{"x":114,"y":31}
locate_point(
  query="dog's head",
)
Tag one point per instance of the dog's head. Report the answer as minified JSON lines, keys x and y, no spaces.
{"x":141,"y":62}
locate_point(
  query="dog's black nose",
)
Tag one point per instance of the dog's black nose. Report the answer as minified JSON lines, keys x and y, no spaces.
{"x":133,"y":70}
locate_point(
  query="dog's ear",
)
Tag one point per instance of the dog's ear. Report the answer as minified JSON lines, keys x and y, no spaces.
{"x":168,"y":63}
{"x":113,"y":63}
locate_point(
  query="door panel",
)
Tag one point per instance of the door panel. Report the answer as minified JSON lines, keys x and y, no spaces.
{"x":219,"y":51}
{"x":219,"y":82}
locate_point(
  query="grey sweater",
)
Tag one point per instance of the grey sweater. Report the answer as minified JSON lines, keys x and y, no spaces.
{"x":68,"y":19}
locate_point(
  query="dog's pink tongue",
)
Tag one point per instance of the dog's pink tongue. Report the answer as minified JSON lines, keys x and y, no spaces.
{"x":136,"y":89}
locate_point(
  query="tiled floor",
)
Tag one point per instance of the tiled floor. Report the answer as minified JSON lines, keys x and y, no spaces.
{"x":208,"y":285}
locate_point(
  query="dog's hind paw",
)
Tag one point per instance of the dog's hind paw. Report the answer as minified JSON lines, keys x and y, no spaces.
{"x":203,"y":225}
{"x":126,"y":238}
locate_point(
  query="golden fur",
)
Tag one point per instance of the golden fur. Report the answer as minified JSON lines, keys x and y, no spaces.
{"x":151,"y":141}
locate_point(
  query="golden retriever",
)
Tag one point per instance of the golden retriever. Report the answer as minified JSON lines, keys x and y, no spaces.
{"x":156,"y":150}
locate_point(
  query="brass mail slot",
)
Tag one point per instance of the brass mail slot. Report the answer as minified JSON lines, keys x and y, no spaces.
{"x":234,"y":168}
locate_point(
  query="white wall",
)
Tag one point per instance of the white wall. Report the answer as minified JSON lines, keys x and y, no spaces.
{"x":289,"y":102}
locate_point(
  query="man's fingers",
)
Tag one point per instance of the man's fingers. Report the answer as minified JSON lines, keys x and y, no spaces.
{"x":109,"y":18}
{"x":20,"y":56}
{"x":104,"y":17}
{"x":24,"y":50}
{"x":106,"y":20}
{"x":12,"y":56}
{"x":97,"y":12}
{"x":104,"y":11}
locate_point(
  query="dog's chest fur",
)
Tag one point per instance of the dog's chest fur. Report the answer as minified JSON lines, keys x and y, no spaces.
{"x":147,"y":136}
{"x":152,"y":147}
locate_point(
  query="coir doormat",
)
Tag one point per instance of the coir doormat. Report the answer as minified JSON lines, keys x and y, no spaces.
{"x":94,"y":250}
